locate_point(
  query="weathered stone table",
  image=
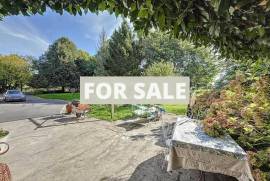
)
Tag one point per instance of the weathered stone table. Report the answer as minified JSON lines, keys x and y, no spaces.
{"x":192,"y":148}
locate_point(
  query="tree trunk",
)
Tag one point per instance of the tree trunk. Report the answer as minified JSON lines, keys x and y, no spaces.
{"x":63,"y":88}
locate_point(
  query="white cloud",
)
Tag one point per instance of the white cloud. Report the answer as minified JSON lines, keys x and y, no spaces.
{"x":17,"y":35}
{"x":32,"y":35}
{"x":95,"y":23}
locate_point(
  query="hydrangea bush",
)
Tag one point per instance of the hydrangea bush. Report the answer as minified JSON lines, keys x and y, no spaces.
{"x":242,"y":110}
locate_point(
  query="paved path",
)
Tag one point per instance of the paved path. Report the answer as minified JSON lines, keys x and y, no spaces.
{"x":62,"y":149}
{"x":32,"y":108}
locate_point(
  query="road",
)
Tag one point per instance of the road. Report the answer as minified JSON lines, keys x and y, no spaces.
{"x":32,"y":108}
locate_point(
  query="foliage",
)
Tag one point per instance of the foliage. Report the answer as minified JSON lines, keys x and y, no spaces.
{"x":201,"y":103}
{"x":252,"y":68}
{"x":124,"y":53}
{"x":197,"y":63}
{"x":243,"y":110}
{"x":61,"y":51}
{"x":236,"y":28}
{"x":14,"y":71}
{"x":160,"y":69}
{"x":85,"y":63}
{"x":102,"y":55}
{"x":62,"y":65}
{"x":65,"y":75}
{"x":3,"y":133}
{"x":39,"y":81}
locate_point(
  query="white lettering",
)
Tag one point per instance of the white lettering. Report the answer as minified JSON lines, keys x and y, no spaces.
{"x":107,"y":93}
{"x":166,"y":92}
{"x":153,"y":91}
{"x":139,"y":89}
{"x":180,"y":90}
{"x":119,"y":91}
{"x":88,"y":90}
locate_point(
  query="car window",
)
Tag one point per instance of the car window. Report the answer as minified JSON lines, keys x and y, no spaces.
{"x":13,"y":92}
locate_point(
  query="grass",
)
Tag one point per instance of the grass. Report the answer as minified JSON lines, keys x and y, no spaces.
{"x":121,"y":112}
{"x":60,"y":96}
{"x":178,"y":109}
{"x":104,"y":111}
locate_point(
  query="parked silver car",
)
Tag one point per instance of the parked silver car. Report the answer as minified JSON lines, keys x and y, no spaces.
{"x":14,"y":95}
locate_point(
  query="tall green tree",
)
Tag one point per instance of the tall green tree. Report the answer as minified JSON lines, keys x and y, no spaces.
{"x":102,"y":54}
{"x":14,"y":72}
{"x":198,"y":63}
{"x":124,"y":53}
{"x":58,"y":66}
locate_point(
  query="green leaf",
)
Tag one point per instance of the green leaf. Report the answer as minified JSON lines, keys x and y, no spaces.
{"x":111,"y":4}
{"x":176,"y":30}
{"x":102,"y":6}
{"x":217,"y":31}
{"x":161,"y":19}
{"x":149,"y":4}
{"x":215,"y":4}
{"x":143,"y":13}
{"x":205,"y":14}
{"x":224,"y":6}
{"x":261,"y":31}
{"x":69,"y":9}
{"x":133,"y":7}
{"x":125,"y":3}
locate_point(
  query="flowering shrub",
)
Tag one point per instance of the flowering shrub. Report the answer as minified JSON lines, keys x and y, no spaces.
{"x":242,"y":110}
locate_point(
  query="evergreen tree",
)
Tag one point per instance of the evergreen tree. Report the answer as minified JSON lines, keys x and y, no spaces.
{"x":124,"y":53}
{"x":102,"y":54}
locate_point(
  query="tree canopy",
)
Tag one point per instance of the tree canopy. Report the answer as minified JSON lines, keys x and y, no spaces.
{"x":198,"y":63}
{"x":14,"y":71}
{"x":161,"y":68}
{"x":61,"y":66}
{"x":236,"y":28}
{"x":124,"y":53}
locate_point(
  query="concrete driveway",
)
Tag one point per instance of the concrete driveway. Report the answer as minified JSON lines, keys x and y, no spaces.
{"x":32,"y":108}
{"x":57,"y":148}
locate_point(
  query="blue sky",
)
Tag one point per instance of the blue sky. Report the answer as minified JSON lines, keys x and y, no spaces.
{"x":32,"y":35}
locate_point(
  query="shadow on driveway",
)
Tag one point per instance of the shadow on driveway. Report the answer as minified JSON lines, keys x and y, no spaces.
{"x":57,"y":120}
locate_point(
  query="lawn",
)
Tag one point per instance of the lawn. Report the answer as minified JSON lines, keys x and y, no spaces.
{"x":60,"y":96}
{"x":104,"y":111}
{"x":121,"y":112}
{"x":178,"y":109}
